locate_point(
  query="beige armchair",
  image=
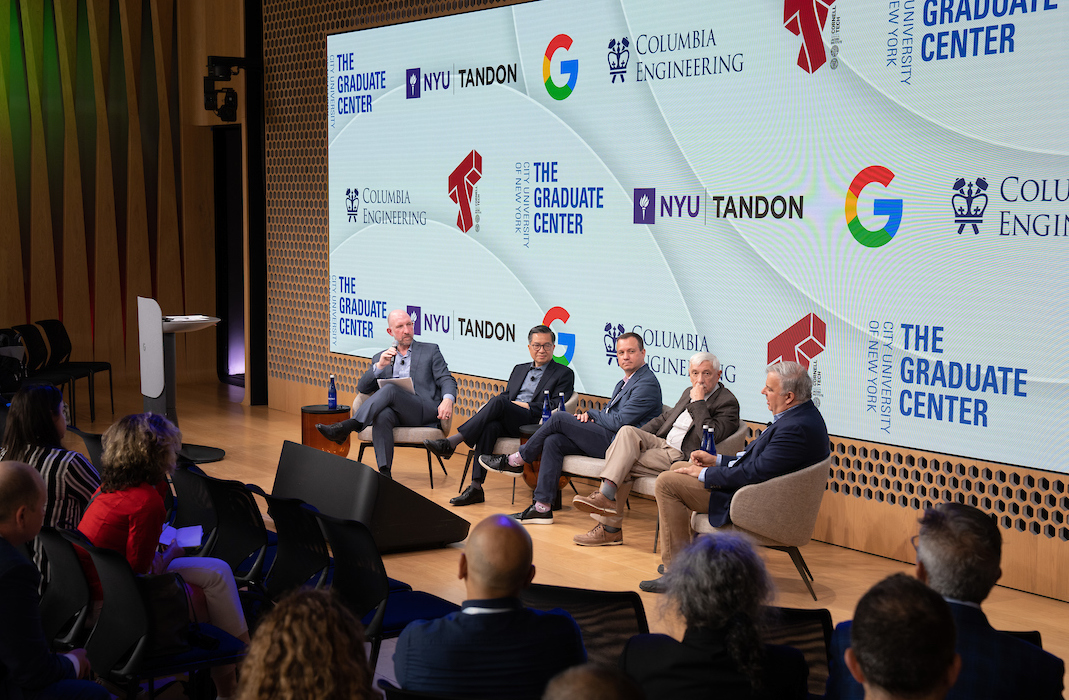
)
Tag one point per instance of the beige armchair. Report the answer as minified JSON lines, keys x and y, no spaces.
{"x":405,"y":436}
{"x":508,"y":445}
{"x":779,"y":513}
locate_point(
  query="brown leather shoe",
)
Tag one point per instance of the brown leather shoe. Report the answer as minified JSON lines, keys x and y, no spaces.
{"x":596,"y":503}
{"x":599,"y":537}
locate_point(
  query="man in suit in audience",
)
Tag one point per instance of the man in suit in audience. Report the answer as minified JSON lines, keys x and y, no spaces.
{"x":520,"y":404}
{"x":959,"y":551}
{"x":28,"y":668}
{"x":391,"y":406}
{"x":657,"y":445}
{"x":494,"y":647}
{"x":635,"y":401}
{"x":796,"y":438}
{"x":903,"y":642}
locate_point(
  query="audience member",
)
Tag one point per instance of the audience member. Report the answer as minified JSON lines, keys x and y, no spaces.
{"x":434,"y":391}
{"x":636,"y":400}
{"x":797,"y":438}
{"x":494,"y":647}
{"x":503,"y":415}
{"x":592,"y":682}
{"x":657,"y":445}
{"x":127,"y":515}
{"x":28,"y":668}
{"x":959,"y":550}
{"x":902,"y":642}
{"x":719,"y":586}
{"x":308,"y":647}
{"x":35,"y":426}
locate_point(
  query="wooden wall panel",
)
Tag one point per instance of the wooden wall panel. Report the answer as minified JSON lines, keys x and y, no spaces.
{"x":92,"y":173}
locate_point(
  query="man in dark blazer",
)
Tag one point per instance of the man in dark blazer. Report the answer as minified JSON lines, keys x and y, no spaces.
{"x":391,"y":406}
{"x":494,"y":647}
{"x":520,"y":404}
{"x":636,"y":400}
{"x":28,"y":668}
{"x":657,"y":445}
{"x":959,"y":553}
{"x":797,"y":438}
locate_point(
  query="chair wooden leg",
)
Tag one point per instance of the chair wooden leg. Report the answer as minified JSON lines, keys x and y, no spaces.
{"x":111,"y":392}
{"x":799,"y":563}
{"x":657,"y":533}
{"x":441,"y":464}
{"x":514,"y":492}
{"x":430,"y":468}
{"x":360,"y":455}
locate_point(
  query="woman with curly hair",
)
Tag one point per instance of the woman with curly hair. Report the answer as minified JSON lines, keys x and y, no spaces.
{"x":308,"y":647}
{"x":127,"y":515}
{"x":35,"y":427}
{"x":718,"y":584}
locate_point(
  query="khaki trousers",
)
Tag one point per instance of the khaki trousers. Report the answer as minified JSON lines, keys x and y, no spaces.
{"x":678,"y":495}
{"x":633,"y":453}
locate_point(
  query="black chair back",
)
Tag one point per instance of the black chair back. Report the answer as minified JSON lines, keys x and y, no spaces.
{"x":34,"y":342}
{"x":1033,"y":637}
{"x":301,"y":553}
{"x":192,"y":502}
{"x":359,"y":574}
{"x":808,"y":631}
{"x":65,"y":602}
{"x":58,"y":340}
{"x":240,"y":537}
{"x":607,"y":619}
{"x":94,"y":444}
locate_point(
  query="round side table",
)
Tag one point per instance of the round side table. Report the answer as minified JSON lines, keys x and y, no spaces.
{"x":320,"y":413}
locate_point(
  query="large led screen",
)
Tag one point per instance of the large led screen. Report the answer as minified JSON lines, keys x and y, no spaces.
{"x":879,"y":190}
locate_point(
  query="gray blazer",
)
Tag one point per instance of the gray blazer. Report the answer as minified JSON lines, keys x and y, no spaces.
{"x":430,"y":374}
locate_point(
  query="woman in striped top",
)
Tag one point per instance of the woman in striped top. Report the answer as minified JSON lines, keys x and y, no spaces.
{"x":35,"y":427}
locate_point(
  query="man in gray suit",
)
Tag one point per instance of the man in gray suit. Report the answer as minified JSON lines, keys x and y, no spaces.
{"x":391,"y":406}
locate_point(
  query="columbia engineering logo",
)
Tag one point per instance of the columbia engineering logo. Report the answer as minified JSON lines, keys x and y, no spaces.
{"x":969,"y":203}
{"x":618,"y":58}
{"x":352,"y":202}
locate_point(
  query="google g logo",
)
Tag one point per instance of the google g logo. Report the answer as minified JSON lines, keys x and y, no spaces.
{"x":558,"y":313}
{"x":568,"y":69}
{"x":891,"y":208}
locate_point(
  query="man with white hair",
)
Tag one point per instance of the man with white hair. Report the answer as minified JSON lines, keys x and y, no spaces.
{"x":653,"y":448}
{"x":797,"y":438}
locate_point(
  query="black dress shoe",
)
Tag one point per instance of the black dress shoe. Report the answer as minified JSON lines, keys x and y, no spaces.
{"x":531,"y":516}
{"x":499,"y":464}
{"x":657,"y":585}
{"x":472,"y":494}
{"x":442,"y":448}
{"x":335,"y":432}
{"x":386,"y":472}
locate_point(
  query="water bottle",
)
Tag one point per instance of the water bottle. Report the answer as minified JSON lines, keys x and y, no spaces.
{"x":562,"y":408}
{"x":332,"y":395}
{"x":546,"y":410}
{"x":710,"y":445}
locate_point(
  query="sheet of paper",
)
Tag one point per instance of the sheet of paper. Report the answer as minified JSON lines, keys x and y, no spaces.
{"x":403,"y":382}
{"x":186,"y":536}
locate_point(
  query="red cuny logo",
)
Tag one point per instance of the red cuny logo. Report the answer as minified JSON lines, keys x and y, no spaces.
{"x":800,"y":343}
{"x":806,"y":18}
{"x":462,"y":184}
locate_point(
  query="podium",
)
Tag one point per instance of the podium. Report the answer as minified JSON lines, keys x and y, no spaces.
{"x":156,"y":348}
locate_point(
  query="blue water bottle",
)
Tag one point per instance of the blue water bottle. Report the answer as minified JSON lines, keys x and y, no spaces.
{"x":332,"y":395}
{"x":561,"y":397}
{"x":546,"y":410}
{"x":711,"y":442}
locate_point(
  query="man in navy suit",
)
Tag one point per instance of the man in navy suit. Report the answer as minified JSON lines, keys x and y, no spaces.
{"x":959,"y":552}
{"x":520,"y":404}
{"x":28,"y":668}
{"x":636,"y":400}
{"x":391,"y":406}
{"x":797,"y":438}
{"x":494,"y":647}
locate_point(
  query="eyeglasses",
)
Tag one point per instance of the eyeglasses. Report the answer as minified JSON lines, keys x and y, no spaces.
{"x":541,"y":346}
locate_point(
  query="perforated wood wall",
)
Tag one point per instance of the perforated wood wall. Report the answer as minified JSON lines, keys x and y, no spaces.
{"x":876,"y":493}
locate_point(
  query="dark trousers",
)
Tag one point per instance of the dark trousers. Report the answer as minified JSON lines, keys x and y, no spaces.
{"x":563,"y":435}
{"x":388,"y":408}
{"x":498,"y":418}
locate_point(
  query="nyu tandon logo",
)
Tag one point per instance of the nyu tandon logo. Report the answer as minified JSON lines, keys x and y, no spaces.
{"x":462,"y":185}
{"x":412,"y":84}
{"x":645,"y":205}
{"x":891,"y":208}
{"x":569,"y":69}
{"x":352,"y":202}
{"x":417,"y":317}
{"x":806,"y":18}
{"x":618,"y":57}
{"x":800,"y":343}
{"x":969,"y":203}
{"x":565,"y":340}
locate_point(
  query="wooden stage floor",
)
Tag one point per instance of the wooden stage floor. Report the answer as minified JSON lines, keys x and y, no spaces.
{"x":212,"y":414}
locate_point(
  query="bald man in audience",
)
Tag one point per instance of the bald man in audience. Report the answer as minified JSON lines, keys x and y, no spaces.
{"x":28,"y":668}
{"x":494,"y":647}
